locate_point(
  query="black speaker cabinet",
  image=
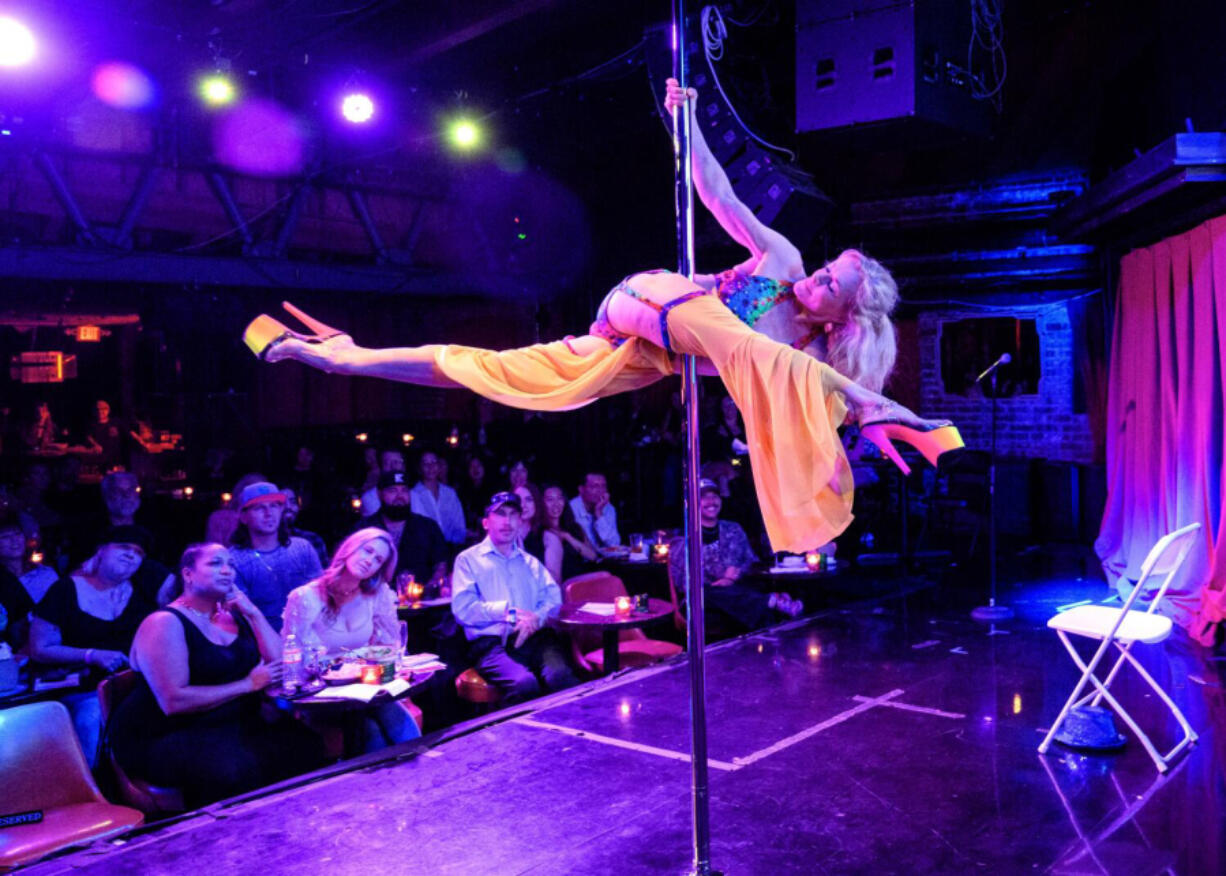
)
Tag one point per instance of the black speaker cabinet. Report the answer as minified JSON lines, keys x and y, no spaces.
{"x":872,"y":62}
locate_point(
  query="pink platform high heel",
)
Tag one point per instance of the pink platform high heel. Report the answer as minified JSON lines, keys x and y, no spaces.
{"x":264,"y":332}
{"x":936,"y":439}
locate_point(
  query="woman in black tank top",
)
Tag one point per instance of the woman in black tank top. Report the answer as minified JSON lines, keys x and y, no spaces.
{"x":194,"y":721}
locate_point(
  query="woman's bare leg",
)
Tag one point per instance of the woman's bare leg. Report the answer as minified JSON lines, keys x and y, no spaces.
{"x":340,"y":355}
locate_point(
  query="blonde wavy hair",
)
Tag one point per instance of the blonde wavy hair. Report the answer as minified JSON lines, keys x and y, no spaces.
{"x":864,"y":347}
{"x":383,"y":575}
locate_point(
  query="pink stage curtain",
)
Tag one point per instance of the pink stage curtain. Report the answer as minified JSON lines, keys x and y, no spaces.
{"x":1165,"y":402}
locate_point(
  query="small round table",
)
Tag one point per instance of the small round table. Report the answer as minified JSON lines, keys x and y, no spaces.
{"x":572,"y":616}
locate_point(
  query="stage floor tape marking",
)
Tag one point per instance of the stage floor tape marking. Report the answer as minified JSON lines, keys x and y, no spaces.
{"x":622,"y":743}
{"x":907,"y":707}
{"x":789,"y":741}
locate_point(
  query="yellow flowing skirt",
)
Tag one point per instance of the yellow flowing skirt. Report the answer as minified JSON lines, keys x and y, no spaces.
{"x":801,"y":474}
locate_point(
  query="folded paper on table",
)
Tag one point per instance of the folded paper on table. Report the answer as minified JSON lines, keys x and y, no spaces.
{"x":414,"y":661}
{"x":363,"y":693}
{"x":604,"y":609}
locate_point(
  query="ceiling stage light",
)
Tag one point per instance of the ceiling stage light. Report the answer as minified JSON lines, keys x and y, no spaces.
{"x":357,"y":108}
{"x":217,"y":90}
{"x":464,"y":134}
{"x":122,"y":85}
{"x":17,"y":46}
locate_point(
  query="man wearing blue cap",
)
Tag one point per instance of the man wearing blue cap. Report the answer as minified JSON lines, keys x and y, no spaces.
{"x":502,"y":597}
{"x":268,"y":561}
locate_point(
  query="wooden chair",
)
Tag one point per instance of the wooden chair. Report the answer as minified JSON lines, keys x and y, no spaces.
{"x":634,"y":648}
{"x":148,"y":798}
{"x":42,"y":769}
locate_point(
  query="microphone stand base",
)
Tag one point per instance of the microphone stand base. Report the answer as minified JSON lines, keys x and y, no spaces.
{"x":992,"y":613}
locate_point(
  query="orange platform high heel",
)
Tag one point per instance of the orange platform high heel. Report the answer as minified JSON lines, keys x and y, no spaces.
{"x":264,"y":332}
{"x":937,"y":440}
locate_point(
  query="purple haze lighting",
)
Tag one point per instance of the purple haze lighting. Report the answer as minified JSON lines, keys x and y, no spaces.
{"x":260,"y":138}
{"x":357,"y":108}
{"x":17,"y":45}
{"x":122,"y":85}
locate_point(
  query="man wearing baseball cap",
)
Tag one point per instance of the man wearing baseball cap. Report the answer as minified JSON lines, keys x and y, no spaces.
{"x":502,"y":597}
{"x":420,"y":548}
{"x":268,"y":561}
{"x":726,"y":555}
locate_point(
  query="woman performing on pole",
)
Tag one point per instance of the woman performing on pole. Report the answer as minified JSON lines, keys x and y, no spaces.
{"x":798,"y":352}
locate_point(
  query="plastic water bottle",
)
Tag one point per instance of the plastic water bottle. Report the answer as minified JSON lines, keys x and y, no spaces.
{"x":291,"y":657}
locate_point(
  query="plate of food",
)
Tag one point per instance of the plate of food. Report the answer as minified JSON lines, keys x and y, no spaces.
{"x":375,"y":653}
{"x":344,"y":673}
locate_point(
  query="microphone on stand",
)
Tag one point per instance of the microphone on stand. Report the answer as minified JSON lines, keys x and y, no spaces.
{"x":1004,"y":359}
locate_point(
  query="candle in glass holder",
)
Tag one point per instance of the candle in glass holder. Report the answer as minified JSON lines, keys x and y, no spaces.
{"x":414,"y":590}
{"x":813,"y":559}
{"x":659,"y":552}
{"x":622,"y":603}
{"x":372,"y":674}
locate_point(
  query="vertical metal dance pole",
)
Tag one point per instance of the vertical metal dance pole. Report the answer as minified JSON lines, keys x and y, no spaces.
{"x":684,"y":191}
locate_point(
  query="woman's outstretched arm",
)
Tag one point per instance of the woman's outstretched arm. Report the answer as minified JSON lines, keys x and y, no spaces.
{"x":717,"y":195}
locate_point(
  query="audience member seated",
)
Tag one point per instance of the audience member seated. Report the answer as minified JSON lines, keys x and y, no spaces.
{"x":434,"y":499}
{"x":270,"y":562}
{"x":534,"y":538}
{"x":31,"y":497}
{"x":90,"y":618}
{"x":42,"y":435}
{"x":105,"y":438}
{"x":350,"y":606}
{"x":15,"y":602}
{"x":502,"y":597}
{"x":726,"y":439}
{"x":726,"y":555}
{"x":194,"y":721}
{"x":517,"y":474}
{"x":472,"y":488}
{"x":391,"y":459}
{"x":594,"y":512}
{"x":15,"y":559}
{"x":420,"y":549}
{"x":292,"y":509}
{"x":222,"y":523}
{"x":577,"y":552}
{"x":122,"y":497}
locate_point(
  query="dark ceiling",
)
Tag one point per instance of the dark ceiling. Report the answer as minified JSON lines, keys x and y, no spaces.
{"x":565,"y":83}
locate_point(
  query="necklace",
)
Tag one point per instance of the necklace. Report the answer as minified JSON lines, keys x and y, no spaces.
{"x":203,"y":615}
{"x":259,"y":555}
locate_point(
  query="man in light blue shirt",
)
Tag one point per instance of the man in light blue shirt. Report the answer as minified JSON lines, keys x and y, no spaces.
{"x":434,"y":499}
{"x":594,"y":512}
{"x":502,"y":597}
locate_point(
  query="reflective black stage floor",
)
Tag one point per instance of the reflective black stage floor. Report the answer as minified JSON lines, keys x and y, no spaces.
{"x":888,"y":736}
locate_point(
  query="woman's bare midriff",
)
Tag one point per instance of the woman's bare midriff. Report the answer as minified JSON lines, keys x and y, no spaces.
{"x":638,"y":319}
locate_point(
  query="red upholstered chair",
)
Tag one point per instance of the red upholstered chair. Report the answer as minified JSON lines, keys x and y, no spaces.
{"x":149,"y":799}
{"x":633,"y":646}
{"x":42,"y":769}
{"x":470,"y":686}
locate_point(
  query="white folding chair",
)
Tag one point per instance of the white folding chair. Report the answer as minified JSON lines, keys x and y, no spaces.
{"x":1124,"y":627}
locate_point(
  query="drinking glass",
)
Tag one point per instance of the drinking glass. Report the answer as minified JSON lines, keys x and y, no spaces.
{"x":636,"y":542}
{"x":404,"y":638}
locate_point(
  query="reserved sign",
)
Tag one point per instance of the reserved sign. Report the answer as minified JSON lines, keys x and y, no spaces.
{"x":32,"y":817}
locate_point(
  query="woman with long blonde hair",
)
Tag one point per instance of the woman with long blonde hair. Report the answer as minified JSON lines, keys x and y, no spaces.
{"x":349,"y":606}
{"x":797,"y":351}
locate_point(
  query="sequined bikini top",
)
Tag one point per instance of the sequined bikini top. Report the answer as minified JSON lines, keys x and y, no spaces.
{"x":750,"y":296}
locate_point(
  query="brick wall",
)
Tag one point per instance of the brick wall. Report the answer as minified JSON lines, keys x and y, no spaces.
{"x":1041,"y":426}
